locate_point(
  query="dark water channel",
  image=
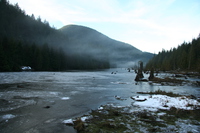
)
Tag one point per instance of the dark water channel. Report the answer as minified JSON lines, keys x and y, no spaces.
{"x":34,"y":102}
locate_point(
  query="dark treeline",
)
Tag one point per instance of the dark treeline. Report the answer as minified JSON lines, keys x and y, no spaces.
{"x":14,"y":23}
{"x":184,"y":57}
{"x":14,"y":54}
{"x":29,"y":41}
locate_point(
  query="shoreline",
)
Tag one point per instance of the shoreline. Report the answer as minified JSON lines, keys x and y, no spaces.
{"x":143,"y":115}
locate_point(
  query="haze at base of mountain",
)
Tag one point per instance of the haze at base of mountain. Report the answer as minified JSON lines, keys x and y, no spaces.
{"x":76,"y":47}
{"x":87,"y":41}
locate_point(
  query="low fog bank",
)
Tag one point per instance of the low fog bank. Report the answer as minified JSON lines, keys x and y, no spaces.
{"x":85,"y":42}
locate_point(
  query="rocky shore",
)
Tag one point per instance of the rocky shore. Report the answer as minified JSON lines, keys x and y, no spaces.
{"x":149,"y":112}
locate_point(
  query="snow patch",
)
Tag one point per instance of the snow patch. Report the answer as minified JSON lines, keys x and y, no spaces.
{"x":100,"y":108}
{"x":83,"y":119}
{"x":68,"y":122}
{"x":165,"y":102}
{"x":26,"y":68}
{"x":71,"y":121}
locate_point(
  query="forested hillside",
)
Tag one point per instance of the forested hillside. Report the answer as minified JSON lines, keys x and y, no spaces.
{"x":29,"y":41}
{"x":87,"y":41}
{"x":184,"y":57}
{"x":15,"y":54}
{"x":14,"y":23}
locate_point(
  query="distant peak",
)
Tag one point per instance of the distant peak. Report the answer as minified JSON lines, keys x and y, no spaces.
{"x":75,"y":26}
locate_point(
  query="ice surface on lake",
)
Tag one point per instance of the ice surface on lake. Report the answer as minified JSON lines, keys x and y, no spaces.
{"x":70,"y":94}
{"x":65,"y":98}
{"x":6,"y":117}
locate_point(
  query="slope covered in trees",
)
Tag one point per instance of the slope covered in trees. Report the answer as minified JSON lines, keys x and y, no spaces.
{"x":25,"y":40}
{"x":184,"y":57}
{"x":22,"y":41}
{"x":87,"y":41}
{"x":14,"y":23}
{"x":14,"y":54}
{"x":82,"y":47}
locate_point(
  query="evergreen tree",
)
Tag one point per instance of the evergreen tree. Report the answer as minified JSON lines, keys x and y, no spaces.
{"x":185,"y":57}
{"x":26,"y":41}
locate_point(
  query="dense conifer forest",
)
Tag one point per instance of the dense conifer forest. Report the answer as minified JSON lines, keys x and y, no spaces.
{"x":29,"y":41}
{"x":15,"y":54}
{"x":185,"y":57}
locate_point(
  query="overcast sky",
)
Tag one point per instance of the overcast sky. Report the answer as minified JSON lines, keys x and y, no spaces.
{"x":149,"y":25}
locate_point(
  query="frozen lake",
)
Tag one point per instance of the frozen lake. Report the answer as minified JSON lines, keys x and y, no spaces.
{"x":40,"y":101}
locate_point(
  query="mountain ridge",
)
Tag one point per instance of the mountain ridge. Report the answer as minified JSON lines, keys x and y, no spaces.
{"x":87,"y":38}
{"x":86,"y":30}
{"x":81,"y":47}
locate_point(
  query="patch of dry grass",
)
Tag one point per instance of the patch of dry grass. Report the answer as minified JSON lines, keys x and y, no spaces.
{"x":171,"y":94}
{"x":167,"y":80}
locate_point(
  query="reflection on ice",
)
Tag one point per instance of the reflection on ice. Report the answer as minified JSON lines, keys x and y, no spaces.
{"x":6,"y":117}
{"x":65,"y":98}
{"x":54,"y":93}
{"x":15,"y":104}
